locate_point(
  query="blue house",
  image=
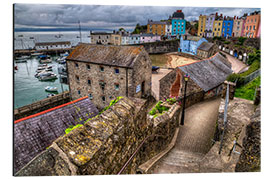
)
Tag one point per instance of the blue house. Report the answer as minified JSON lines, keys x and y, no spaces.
{"x":189,"y":44}
{"x":227,"y":27}
{"x":178,"y":23}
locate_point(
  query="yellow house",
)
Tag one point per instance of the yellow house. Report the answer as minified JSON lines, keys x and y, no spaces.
{"x":217,"y":27}
{"x":156,"y":27}
{"x":201,"y":25}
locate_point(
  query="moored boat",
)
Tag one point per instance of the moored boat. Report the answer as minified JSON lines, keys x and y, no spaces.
{"x":51,"y":89}
{"x":46,"y":76}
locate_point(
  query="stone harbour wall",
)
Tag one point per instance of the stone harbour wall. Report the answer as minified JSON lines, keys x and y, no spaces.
{"x":105,"y":143}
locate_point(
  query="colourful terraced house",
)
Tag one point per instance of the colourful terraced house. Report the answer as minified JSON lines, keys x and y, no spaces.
{"x":227,"y":27}
{"x":178,"y":23}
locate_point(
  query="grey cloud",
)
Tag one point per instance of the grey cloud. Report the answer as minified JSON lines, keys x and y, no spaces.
{"x":105,"y":16}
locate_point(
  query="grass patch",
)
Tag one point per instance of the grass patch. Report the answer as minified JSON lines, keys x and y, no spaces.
{"x":248,"y":91}
{"x":159,"y":60}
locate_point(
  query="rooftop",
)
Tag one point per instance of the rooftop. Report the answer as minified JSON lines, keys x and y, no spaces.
{"x":206,"y":46}
{"x":208,"y":73}
{"x":34,"y":133}
{"x":121,"y":56}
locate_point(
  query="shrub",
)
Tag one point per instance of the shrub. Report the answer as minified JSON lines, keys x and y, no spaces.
{"x":72,"y":127}
{"x":171,"y":100}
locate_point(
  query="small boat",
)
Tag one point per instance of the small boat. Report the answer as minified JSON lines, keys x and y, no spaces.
{"x":51,"y":89}
{"x":47,"y":76}
{"x":20,"y":61}
{"x":61,"y":59}
{"x":50,"y":95}
{"x":45,"y":59}
{"x":36,"y":54}
{"x":22,"y":57}
{"x":31,"y":38}
{"x":20,"y":35}
{"x":64,"y":54}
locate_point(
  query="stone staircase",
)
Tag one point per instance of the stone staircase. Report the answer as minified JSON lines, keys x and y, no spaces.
{"x":178,"y":161}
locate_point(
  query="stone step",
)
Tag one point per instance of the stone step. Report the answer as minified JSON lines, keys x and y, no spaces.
{"x":179,"y":157}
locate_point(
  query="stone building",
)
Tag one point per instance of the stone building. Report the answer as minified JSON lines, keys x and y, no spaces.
{"x":100,"y":38}
{"x":205,"y":81}
{"x":156,"y":27}
{"x":105,"y":72}
{"x":206,"y":49}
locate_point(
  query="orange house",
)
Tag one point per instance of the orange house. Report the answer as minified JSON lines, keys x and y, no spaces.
{"x":156,"y":27}
{"x":252,"y":25}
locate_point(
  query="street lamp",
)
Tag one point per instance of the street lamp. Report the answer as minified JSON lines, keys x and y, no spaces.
{"x":186,"y":78}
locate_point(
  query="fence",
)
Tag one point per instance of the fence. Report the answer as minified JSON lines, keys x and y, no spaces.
{"x":225,"y":117}
{"x":252,"y":76}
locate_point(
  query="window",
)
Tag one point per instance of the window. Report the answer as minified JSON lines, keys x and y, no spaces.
{"x":79,"y":92}
{"x":88,"y":66}
{"x":229,"y":24}
{"x":101,"y":69}
{"x":255,"y":20}
{"x":89,"y":82}
{"x":116,"y":70}
{"x":103,"y":98}
{"x":116,"y":86}
{"x":76,"y":65}
{"x":254,"y":27}
{"x":77,"y":78}
{"x":90,"y":96}
{"x":249,"y":27}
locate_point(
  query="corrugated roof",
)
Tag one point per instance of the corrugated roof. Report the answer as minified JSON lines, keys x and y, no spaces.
{"x":122,"y":56}
{"x":206,"y":46}
{"x":34,"y":133}
{"x":51,"y":43}
{"x":209,"y":73}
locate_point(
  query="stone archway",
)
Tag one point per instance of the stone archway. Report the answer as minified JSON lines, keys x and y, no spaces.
{"x":176,"y":86}
{"x":235,"y":53}
{"x":240,"y":55}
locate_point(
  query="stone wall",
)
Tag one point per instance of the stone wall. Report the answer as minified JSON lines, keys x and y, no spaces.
{"x":250,"y":158}
{"x":161,"y":46}
{"x":105,"y":143}
{"x":127,"y":80}
{"x":232,"y":87}
{"x":41,"y":105}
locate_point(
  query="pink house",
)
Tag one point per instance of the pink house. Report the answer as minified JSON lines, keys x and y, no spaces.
{"x":145,"y":38}
{"x":259,"y":31}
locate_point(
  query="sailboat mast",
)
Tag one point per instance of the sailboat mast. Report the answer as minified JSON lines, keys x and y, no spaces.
{"x":80,"y":32}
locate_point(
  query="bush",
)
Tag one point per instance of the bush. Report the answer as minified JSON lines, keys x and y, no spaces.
{"x":241,"y":40}
{"x":226,"y":42}
{"x":255,"y":56}
{"x":158,"y":109}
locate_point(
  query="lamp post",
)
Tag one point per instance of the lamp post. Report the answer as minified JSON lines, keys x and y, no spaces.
{"x":186,"y":77}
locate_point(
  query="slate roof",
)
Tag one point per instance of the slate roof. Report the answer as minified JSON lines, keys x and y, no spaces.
{"x":121,"y":56}
{"x":34,"y":133}
{"x":157,"y":22}
{"x":208,"y":73}
{"x":192,"y":38}
{"x":206,"y":46}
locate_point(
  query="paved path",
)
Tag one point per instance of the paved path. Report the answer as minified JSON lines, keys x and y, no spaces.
{"x":194,"y":139}
{"x":237,"y":65}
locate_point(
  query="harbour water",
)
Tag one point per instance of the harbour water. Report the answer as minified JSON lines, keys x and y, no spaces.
{"x":27,"y":40}
{"x":27,"y":88}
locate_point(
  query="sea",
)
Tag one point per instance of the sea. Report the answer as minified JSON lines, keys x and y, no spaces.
{"x":27,"y":88}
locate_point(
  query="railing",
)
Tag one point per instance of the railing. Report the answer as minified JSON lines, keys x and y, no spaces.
{"x":225,"y":117}
{"x":252,"y":76}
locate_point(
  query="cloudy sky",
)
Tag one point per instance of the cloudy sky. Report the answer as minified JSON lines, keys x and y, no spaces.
{"x":105,"y":16}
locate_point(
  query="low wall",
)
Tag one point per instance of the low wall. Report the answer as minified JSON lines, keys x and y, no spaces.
{"x":123,"y":134}
{"x":41,"y":105}
{"x":159,"y":47}
{"x":195,"y":57}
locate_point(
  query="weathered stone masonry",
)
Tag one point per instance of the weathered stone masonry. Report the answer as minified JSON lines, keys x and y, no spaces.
{"x":105,"y":143}
{"x":105,"y":72}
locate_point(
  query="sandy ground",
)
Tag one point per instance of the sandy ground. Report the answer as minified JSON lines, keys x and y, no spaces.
{"x":176,"y":60}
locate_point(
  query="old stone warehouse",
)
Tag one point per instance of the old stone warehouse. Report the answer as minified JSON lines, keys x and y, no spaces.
{"x":106,"y":72}
{"x":114,"y":124}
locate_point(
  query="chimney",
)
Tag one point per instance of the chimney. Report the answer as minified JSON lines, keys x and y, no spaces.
{"x":216,"y":13}
{"x":179,"y":11}
{"x":221,"y":15}
{"x":234,"y":17}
